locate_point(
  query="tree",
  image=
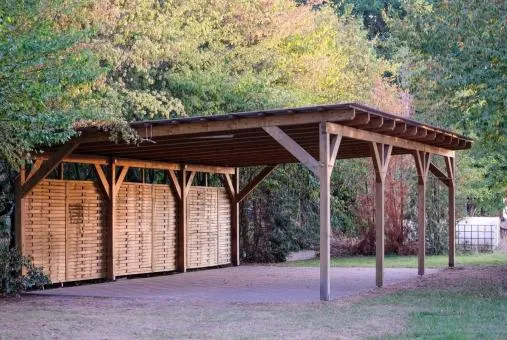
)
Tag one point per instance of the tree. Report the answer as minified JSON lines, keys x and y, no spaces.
{"x":457,"y":69}
{"x":49,"y":80}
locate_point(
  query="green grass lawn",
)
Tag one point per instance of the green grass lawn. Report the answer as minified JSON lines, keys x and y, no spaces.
{"x":394,"y":261}
{"x":440,"y":314}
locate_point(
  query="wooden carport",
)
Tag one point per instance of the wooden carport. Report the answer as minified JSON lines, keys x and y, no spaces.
{"x":315,"y":136}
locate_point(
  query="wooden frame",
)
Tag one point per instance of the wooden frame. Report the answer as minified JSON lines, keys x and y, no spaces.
{"x":194,"y":148}
{"x":381,"y":154}
{"x":422,"y":163}
{"x":369,"y":136}
{"x":448,"y":179}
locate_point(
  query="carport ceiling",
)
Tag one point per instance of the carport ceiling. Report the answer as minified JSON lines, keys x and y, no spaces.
{"x":238,"y":139}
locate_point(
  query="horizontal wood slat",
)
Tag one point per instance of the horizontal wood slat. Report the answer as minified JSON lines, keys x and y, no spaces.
{"x":208,"y":227}
{"x":65,"y":229}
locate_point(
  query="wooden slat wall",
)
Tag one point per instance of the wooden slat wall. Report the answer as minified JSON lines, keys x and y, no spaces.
{"x":65,"y":229}
{"x":145,"y":229}
{"x":208,"y":227}
{"x":165,"y":221}
{"x":224,"y":227}
{"x":86,"y":246}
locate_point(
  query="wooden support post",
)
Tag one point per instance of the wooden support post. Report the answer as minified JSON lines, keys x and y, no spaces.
{"x":111,"y":222}
{"x":421,"y":226}
{"x":182,"y":226}
{"x":20,"y":209}
{"x":325,"y":212}
{"x":235,"y":253}
{"x":422,"y":162}
{"x":449,"y":180}
{"x":451,"y":172}
{"x":381,"y":154}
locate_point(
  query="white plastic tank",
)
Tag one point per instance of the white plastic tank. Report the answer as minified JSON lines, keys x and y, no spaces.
{"x":478,"y":233}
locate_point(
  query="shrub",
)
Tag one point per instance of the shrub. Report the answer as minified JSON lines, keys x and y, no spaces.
{"x":13,"y":279}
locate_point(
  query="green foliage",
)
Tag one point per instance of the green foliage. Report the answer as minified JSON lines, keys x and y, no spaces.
{"x":456,"y":68}
{"x":12,"y":281}
{"x":46,"y":78}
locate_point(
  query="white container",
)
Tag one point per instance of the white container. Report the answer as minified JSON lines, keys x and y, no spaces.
{"x":478,"y":233}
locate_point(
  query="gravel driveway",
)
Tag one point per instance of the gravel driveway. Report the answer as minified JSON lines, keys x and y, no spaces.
{"x":247,"y":283}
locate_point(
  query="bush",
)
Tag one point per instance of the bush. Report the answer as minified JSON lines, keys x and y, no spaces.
{"x":12,"y":278}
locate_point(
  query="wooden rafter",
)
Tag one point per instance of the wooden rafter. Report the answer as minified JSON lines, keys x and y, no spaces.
{"x":229,"y":186}
{"x":254,"y":183}
{"x":121,"y":178}
{"x":191,"y":175}
{"x":175,"y":183}
{"x":48,"y":166}
{"x":104,"y":183}
{"x":36,"y":166}
{"x":369,"y":136}
{"x":334,"y":147}
{"x":443,"y":177}
{"x":293,"y":148}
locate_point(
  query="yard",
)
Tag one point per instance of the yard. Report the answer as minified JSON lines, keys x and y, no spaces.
{"x":467,"y":302}
{"x":393,"y":261}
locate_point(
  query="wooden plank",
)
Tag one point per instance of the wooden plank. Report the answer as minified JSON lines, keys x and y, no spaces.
{"x":121,"y":178}
{"x":350,"y":132}
{"x":20,"y":210}
{"x":294,"y":148}
{"x":235,"y":233}
{"x":325,"y":213}
{"x":439,"y":174}
{"x":48,"y":166}
{"x":36,"y":166}
{"x":422,"y":162}
{"x":111,"y":222}
{"x":102,"y":179}
{"x":266,"y":171}
{"x":421,"y":226}
{"x":175,"y":183}
{"x":335,"y":146}
{"x":210,"y":169}
{"x":451,"y":171}
{"x":133,"y":163}
{"x":381,"y":154}
{"x":182,"y":225}
{"x":81,"y":159}
{"x":232,"y":124}
{"x":229,"y":186}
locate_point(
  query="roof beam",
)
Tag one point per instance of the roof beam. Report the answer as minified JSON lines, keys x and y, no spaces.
{"x":254,"y":183}
{"x":48,"y":166}
{"x":231,"y":124}
{"x":293,"y":148}
{"x":350,"y":132}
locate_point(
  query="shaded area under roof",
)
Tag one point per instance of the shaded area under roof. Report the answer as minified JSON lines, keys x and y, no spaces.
{"x":238,"y":139}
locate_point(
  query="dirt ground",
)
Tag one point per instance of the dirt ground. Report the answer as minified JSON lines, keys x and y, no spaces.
{"x":243,"y":284}
{"x":122,"y":315}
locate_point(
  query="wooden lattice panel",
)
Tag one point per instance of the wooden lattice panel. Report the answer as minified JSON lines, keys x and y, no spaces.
{"x":65,"y":229}
{"x":224,"y":227}
{"x":133,"y":229}
{"x":164,"y":228}
{"x":86,"y":246}
{"x":44,"y":229}
{"x":208,"y":226}
{"x":145,"y":229}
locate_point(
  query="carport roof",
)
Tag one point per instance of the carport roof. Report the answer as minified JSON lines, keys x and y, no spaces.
{"x":239,"y":139}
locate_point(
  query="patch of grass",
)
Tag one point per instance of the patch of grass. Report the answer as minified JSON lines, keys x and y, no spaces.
{"x":450,"y":315}
{"x":395,"y":261}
